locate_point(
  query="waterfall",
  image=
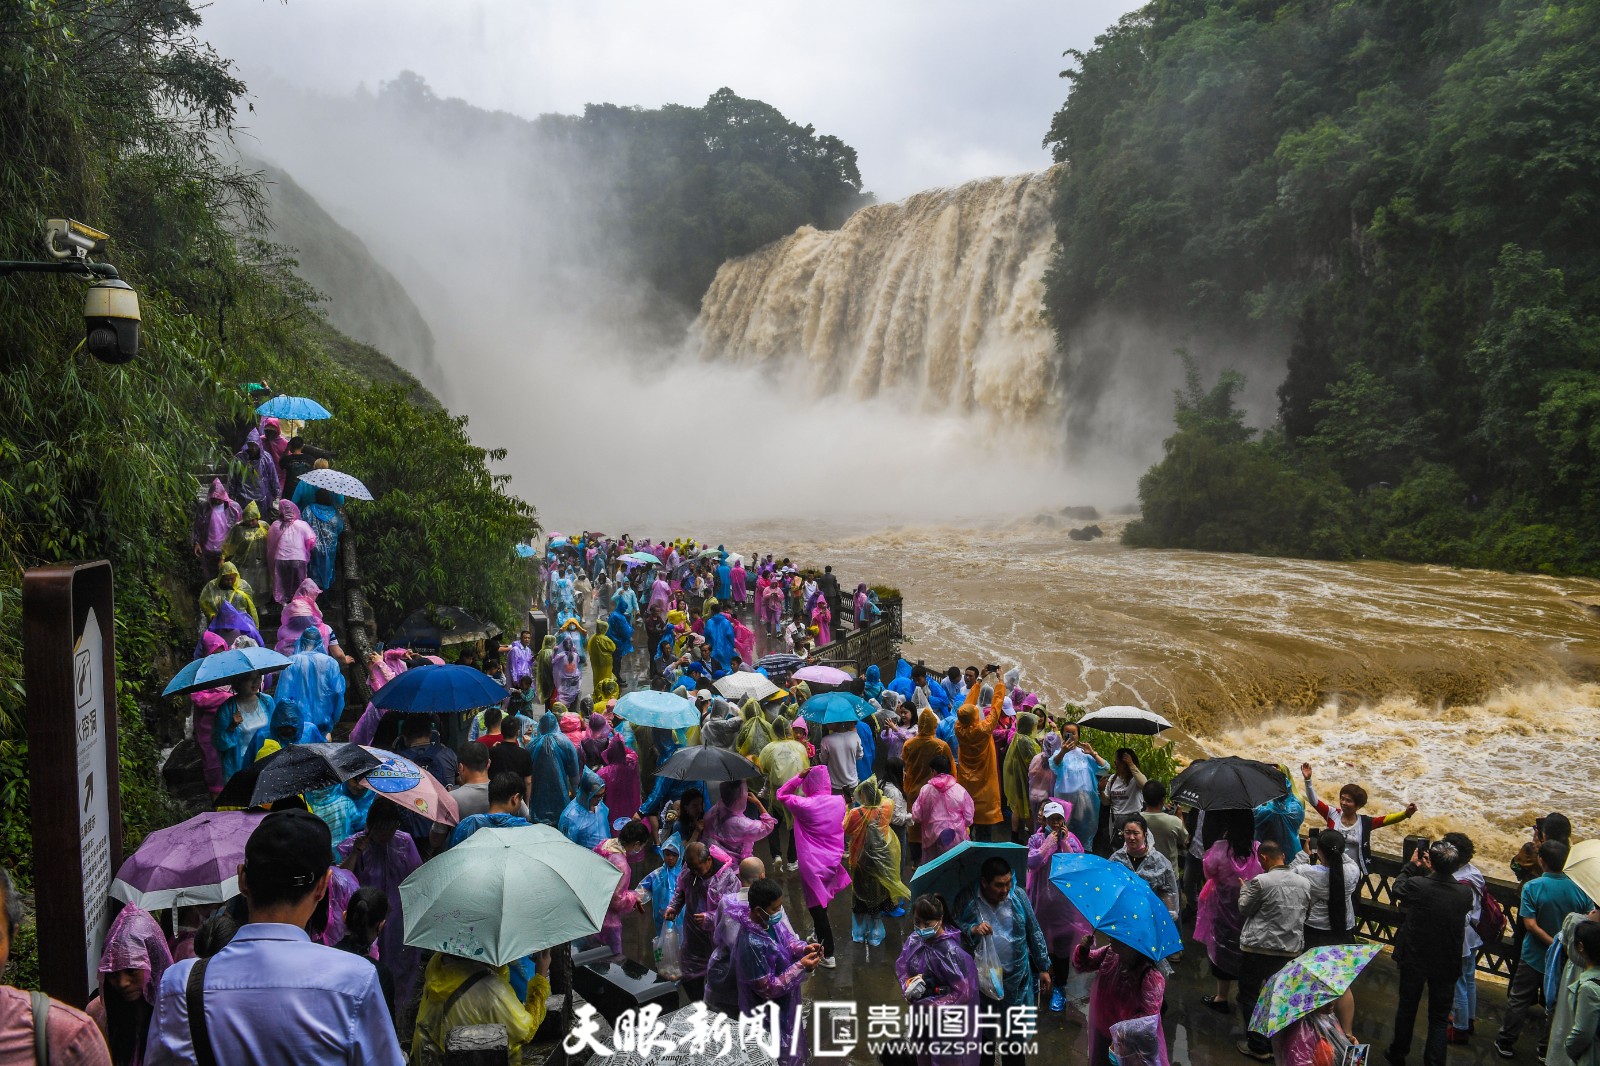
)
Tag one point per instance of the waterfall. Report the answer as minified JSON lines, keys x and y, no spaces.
{"x":938,"y":298}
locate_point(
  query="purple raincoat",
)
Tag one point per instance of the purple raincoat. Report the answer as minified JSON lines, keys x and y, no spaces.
{"x":728,"y":826}
{"x":1116,"y":996}
{"x":949,"y":974}
{"x":766,"y":964}
{"x":697,"y":896}
{"x":385,"y":869}
{"x":818,"y":834}
{"x":1063,"y":924}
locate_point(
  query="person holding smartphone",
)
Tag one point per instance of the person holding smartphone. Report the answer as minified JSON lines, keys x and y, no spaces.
{"x":1078,"y":769}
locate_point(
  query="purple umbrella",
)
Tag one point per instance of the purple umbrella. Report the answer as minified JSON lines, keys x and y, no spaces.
{"x":192,"y":862}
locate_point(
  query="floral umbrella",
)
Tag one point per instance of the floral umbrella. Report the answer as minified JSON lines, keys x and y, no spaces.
{"x":1315,"y":979}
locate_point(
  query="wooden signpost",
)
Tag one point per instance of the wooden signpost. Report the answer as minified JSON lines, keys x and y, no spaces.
{"x":69,"y":669}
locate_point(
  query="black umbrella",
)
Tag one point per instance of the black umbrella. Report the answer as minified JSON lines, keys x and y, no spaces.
{"x":1228,"y":784}
{"x":439,"y":626}
{"x":780,"y":663}
{"x":700,"y":763}
{"x":296,"y":769}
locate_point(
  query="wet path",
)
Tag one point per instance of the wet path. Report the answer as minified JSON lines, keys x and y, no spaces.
{"x":1196,"y":1036}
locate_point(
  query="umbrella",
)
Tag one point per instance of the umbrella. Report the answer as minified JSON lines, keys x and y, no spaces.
{"x":503,"y":894}
{"x":642,"y":557}
{"x":439,"y":690}
{"x":408,"y":785}
{"x":196,"y":861}
{"x":835,"y":707}
{"x":524,"y":551}
{"x":436,"y":627}
{"x":1228,"y":784}
{"x":1117,"y":902}
{"x":745,"y":683}
{"x":1134,"y":720}
{"x":823,"y":675}
{"x":710,"y":552}
{"x":958,"y":868}
{"x":298,"y":408}
{"x":700,"y":763}
{"x":336,"y":481}
{"x":1315,"y":979}
{"x":779,"y":662}
{"x":293,"y":770}
{"x":733,"y":558}
{"x":1583,"y":866}
{"x":661,"y":710}
{"x":214,"y":671}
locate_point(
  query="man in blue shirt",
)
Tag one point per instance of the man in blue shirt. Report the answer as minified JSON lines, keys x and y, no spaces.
{"x":1546,"y":902}
{"x":272,"y":995}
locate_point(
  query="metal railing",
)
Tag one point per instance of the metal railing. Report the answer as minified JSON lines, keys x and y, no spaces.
{"x":1378,"y":912}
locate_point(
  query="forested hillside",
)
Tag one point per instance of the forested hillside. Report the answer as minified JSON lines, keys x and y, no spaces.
{"x":112,"y":113}
{"x":1408,"y":192}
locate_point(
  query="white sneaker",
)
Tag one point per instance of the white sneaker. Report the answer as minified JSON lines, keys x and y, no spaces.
{"x":828,"y":963}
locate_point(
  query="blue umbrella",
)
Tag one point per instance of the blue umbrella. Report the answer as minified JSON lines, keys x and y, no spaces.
{"x":642,"y":557}
{"x":296,"y":407}
{"x":1116,"y":901}
{"x":835,"y":707}
{"x":958,"y":868}
{"x":661,"y":710}
{"x":214,"y":671}
{"x":524,"y":551}
{"x":439,"y":690}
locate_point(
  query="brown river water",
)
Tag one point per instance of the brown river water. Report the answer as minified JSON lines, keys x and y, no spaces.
{"x":1474,"y":694}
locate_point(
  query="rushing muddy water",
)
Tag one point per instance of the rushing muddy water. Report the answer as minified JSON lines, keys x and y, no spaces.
{"x":1474,"y":694}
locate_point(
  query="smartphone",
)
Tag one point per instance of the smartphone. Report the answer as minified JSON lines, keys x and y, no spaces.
{"x":1414,"y":844}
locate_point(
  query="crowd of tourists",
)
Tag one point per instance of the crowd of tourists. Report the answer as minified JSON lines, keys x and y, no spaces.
{"x":731,"y":881}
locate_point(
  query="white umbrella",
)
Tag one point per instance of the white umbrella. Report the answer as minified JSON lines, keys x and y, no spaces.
{"x":1134,"y":720}
{"x":745,"y":683}
{"x":336,"y":481}
{"x":502,"y":894}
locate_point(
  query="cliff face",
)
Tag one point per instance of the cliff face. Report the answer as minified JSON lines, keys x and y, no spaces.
{"x":363,"y":299}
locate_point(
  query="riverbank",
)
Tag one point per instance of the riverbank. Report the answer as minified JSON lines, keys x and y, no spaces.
{"x":1472,"y":693}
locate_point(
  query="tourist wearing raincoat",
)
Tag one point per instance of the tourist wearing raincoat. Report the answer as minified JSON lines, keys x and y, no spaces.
{"x":772,"y":965}
{"x":728,"y":826}
{"x":874,"y":855}
{"x":555,"y":771}
{"x":585,"y":820}
{"x":934,"y":953}
{"x":1024,"y":956}
{"x":976,"y":766}
{"x":131,"y":966}
{"x":488,"y":1002}
{"x":314,"y":681}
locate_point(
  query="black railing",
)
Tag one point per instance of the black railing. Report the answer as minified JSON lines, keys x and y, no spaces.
{"x":877,"y":644}
{"x":1378,"y":912}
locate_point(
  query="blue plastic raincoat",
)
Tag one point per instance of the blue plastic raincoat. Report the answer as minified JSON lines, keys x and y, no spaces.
{"x":555,"y":771}
{"x":233,"y":741}
{"x":1022,"y":955}
{"x":584,"y":827}
{"x":287,"y":726}
{"x":719,"y":634}
{"x":314,"y":681}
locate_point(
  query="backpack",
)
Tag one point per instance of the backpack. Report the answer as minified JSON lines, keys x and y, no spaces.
{"x":1491,"y":923}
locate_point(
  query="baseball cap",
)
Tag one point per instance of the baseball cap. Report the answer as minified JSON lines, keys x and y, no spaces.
{"x":1052,"y":808}
{"x":289,"y":849}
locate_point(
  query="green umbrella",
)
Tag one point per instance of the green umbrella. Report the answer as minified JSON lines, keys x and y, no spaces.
{"x":502,"y":894}
{"x":1315,"y":979}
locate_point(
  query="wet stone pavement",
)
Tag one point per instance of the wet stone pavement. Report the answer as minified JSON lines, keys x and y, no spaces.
{"x":1196,"y":1035}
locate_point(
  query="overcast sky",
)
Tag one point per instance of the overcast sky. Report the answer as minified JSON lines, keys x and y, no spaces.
{"x":929,"y":92}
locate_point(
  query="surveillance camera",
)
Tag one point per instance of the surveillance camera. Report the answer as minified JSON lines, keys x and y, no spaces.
{"x":111,"y":315}
{"x":67,"y":239}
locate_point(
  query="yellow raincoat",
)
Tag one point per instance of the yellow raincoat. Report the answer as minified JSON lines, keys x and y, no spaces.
{"x":489,"y":1002}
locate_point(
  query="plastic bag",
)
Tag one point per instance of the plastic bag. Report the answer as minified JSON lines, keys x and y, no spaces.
{"x":1137,"y":1042}
{"x":667,"y":947}
{"x":991,"y":976}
